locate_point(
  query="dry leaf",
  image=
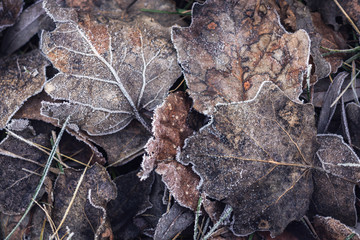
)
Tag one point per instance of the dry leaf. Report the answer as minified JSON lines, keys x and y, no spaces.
{"x":332,"y":229}
{"x":30,"y":22}
{"x":21,"y":77}
{"x":231,"y":47}
{"x":86,"y":215}
{"x":109,"y":74}
{"x":304,"y":21}
{"x":17,"y":183}
{"x":132,"y":200}
{"x":122,"y":147}
{"x":256,"y":156}
{"x":353,"y":116}
{"x":334,"y":189}
{"x":174,"y":221}
{"x":170,"y":129}
{"x":9,"y":12}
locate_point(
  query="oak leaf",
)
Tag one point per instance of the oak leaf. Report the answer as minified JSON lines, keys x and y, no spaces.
{"x":109,"y":73}
{"x":257,"y":156}
{"x":231,"y":47}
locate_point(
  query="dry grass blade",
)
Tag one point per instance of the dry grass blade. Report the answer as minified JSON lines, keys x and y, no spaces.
{"x":44,"y":174}
{"x":348,"y":17}
{"x":346,"y":88}
{"x":72,"y":199}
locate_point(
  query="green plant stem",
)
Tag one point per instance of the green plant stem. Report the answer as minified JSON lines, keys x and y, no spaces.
{"x":44,"y":174}
{"x":224,"y":215}
{"x":197,"y":218}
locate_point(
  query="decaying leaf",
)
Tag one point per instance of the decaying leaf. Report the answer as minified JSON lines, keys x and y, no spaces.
{"x":31,"y":21}
{"x":231,"y":47}
{"x":353,"y":116}
{"x":334,"y":190}
{"x":88,"y":212}
{"x":132,"y":200}
{"x":109,"y":73}
{"x":21,"y":77}
{"x":20,"y":165}
{"x":170,"y":129}
{"x":173,"y":222}
{"x":122,"y":147}
{"x":332,"y":93}
{"x":331,"y":229}
{"x":256,"y":156}
{"x":9,"y":12}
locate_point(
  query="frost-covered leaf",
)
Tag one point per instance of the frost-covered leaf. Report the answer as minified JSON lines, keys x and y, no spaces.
{"x":30,"y":22}
{"x":353,"y":116}
{"x":20,"y":78}
{"x":331,"y":229}
{"x":170,"y":129}
{"x":9,"y":12}
{"x":334,"y":190}
{"x":109,"y":73}
{"x":176,"y":220}
{"x":87,"y":214}
{"x":231,"y":47}
{"x":18,"y":164}
{"x":257,"y":156}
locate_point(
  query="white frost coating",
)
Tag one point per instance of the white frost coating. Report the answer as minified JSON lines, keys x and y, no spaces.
{"x":18,"y":124}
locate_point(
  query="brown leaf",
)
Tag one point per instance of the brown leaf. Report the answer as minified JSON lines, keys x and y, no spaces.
{"x":17,"y":184}
{"x":174,"y":221}
{"x":256,"y":156}
{"x":9,"y":12}
{"x":353,"y":116}
{"x":30,"y":22}
{"x":109,"y":73}
{"x":231,"y":47}
{"x":21,"y":77}
{"x":85,"y":217}
{"x":332,"y":229}
{"x":122,"y":147}
{"x":170,"y":129}
{"x":330,"y":39}
{"x":31,"y":110}
{"x":334,"y":189}
{"x":132,"y":200}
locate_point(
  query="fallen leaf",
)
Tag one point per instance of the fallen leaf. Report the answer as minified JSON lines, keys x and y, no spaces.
{"x":9,"y":12}
{"x":353,"y":116}
{"x":330,"y":39}
{"x":332,"y":93}
{"x":122,"y":147}
{"x":173,"y":222}
{"x":331,"y":229}
{"x":30,"y":22}
{"x":226,"y":61}
{"x":21,"y":77}
{"x":148,"y":220}
{"x":303,"y":20}
{"x":17,"y":158}
{"x":109,"y":74}
{"x":334,"y":189}
{"x":88,"y":211}
{"x":170,"y":129}
{"x":132,"y":200}
{"x":256,"y":156}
